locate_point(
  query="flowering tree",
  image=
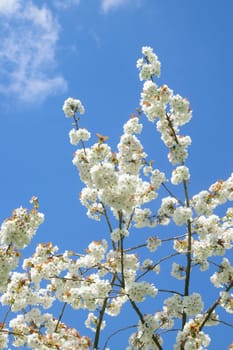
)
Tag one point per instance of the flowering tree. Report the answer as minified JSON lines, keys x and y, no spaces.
{"x":121,"y":188}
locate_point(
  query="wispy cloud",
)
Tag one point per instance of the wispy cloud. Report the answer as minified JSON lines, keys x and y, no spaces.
{"x":65,"y":4}
{"x":108,"y":5}
{"x":28,"y":40}
{"x":8,"y":7}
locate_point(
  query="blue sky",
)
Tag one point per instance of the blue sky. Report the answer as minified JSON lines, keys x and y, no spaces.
{"x":50,"y":50}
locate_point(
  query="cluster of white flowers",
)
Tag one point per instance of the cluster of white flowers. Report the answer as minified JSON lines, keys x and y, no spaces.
{"x":132,"y":126}
{"x":91,"y":322}
{"x":191,"y":338}
{"x":176,"y":305}
{"x":143,"y":218}
{"x":95,"y":253}
{"x":166,"y":210}
{"x":171,"y":110}
{"x":8,"y":261}
{"x":55,"y":335}
{"x":224,"y":276}
{"x":144,"y":339}
{"x":115,"y":305}
{"x":226,"y":301}
{"x":193,"y":304}
{"x":72,"y":106}
{"x":20,"y":227}
{"x":153,"y":243}
{"x":214,"y":237}
{"x":178,"y":271}
{"x":4,"y":339}
{"x":139,"y":290}
{"x":44,"y":264}
{"x":149,"y":65}
{"x":181,"y":245}
{"x":130,"y":262}
{"x":146,"y":331}
{"x":117,"y":234}
{"x":79,"y":135}
{"x":20,"y":293}
{"x":16,"y":233}
{"x":182,"y":215}
{"x":219,"y":192}
{"x":114,"y":179}
{"x":180,"y":174}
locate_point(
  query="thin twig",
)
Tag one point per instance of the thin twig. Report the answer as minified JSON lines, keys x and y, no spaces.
{"x":213,"y":307}
{"x":170,"y":291}
{"x":60,"y":317}
{"x":5,"y":318}
{"x":171,"y":194}
{"x":108,"y":223}
{"x":116,"y":332}
{"x":224,"y":322}
{"x":76,"y":120}
{"x":156,"y":264}
{"x":130,"y":219}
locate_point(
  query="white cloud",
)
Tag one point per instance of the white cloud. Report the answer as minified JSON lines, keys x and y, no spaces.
{"x":65,"y":4}
{"x":108,"y":5}
{"x":28,"y":40}
{"x":8,"y":7}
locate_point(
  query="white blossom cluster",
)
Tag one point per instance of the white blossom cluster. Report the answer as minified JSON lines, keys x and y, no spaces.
{"x":55,"y":335}
{"x":178,"y":271}
{"x":153,"y":243}
{"x":65,"y":283}
{"x":16,"y":233}
{"x":191,"y":338}
{"x":149,"y":65}
{"x":224,"y":276}
{"x":144,"y":338}
{"x":214,"y":236}
{"x":72,"y":106}
{"x":171,"y":209}
{"x":8,"y":261}
{"x":226,"y":301}
{"x":191,"y":305}
{"x":117,"y":234}
{"x":20,"y":293}
{"x":171,"y":110}
{"x":139,"y":290}
{"x":91,"y":322}
{"x":219,"y":193}
{"x":180,"y":174}
{"x":115,"y":180}
{"x":76,"y":136}
{"x":20,"y":227}
{"x":4,"y":339}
